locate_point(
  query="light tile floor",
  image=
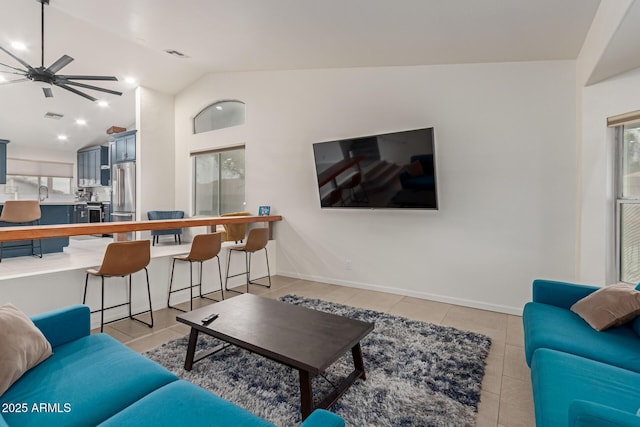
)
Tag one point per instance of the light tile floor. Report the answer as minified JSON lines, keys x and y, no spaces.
{"x":506,"y":399}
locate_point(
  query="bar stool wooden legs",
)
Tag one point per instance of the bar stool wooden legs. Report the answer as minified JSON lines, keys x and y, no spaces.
{"x":203,"y":248}
{"x":122,"y":259}
{"x":256,"y":240}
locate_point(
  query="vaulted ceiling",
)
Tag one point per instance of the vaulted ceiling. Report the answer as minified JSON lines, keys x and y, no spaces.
{"x":131,"y":37}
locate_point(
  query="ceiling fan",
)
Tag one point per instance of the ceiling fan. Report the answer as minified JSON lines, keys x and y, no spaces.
{"x":48,"y":76}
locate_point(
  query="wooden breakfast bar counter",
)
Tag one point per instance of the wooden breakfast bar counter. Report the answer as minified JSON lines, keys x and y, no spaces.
{"x":29,"y":232}
{"x":57,"y":279}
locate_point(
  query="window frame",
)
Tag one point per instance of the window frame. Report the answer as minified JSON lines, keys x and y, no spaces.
{"x":194,"y":156}
{"x":218,"y":105}
{"x":621,"y":199}
{"x":42,"y":180}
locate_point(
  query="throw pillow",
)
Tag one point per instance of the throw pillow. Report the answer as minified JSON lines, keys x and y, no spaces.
{"x":610,"y":306}
{"x":22,"y":345}
{"x":415,"y":169}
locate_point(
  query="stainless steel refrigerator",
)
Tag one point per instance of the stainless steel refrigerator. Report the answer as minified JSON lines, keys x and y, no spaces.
{"x":123,"y":192}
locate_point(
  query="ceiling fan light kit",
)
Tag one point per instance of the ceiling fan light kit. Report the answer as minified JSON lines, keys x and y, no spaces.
{"x":46,"y":77}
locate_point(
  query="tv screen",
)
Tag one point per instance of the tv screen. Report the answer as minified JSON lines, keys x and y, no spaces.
{"x":393,"y":170}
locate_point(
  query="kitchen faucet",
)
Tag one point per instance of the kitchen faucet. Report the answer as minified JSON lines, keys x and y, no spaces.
{"x":43,"y":189}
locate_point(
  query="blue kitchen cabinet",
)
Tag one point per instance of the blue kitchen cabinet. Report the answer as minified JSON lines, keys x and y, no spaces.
{"x":93,"y":166}
{"x":80,"y":213}
{"x":105,"y":167}
{"x":3,"y":161}
{"x":123,"y":147}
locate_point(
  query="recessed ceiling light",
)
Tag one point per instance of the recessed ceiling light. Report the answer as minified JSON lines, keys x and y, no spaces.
{"x":18,"y":46}
{"x":81,"y":122}
{"x":129,"y":80}
{"x":62,"y":137}
{"x":103,"y":103}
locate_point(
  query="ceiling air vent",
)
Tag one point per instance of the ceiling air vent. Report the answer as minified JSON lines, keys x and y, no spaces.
{"x":54,"y":116}
{"x":175,"y":53}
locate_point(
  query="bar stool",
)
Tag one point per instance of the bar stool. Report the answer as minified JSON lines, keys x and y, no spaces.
{"x":256,"y":240}
{"x":122,"y":259}
{"x":354,"y":180}
{"x":203,"y":248}
{"x":21,"y":212}
{"x":233,"y":232}
{"x":333,"y":197}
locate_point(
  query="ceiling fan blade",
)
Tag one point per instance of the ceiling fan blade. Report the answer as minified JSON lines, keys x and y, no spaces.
{"x":29,"y":67}
{"x":13,"y":68}
{"x":48,"y":93}
{"x":106,"y":78}
{"x":62,"y":62}
{"x":113,"y":92}
{"x":76,"y":91}
{"x":14,"y":73}
{"x":14,"y":81}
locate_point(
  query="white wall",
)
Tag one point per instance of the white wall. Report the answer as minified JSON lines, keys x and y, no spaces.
{"x":595,"y":151}
{"x":604,"y":26}
{"x":614,"y":96}
{"x":154,"y":152}
{"x":505,"y":148}
{"x":596,"y":259}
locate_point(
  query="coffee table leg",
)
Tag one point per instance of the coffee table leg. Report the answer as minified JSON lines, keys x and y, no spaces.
{"x":358,"y":363}
{"x":191,"y":349}
{"x":306,"y":394}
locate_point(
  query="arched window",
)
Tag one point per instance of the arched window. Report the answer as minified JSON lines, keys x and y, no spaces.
{"x":219,"y":115}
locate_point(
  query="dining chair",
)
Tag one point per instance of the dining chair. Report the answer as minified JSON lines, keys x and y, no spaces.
{"x":160,"y":215}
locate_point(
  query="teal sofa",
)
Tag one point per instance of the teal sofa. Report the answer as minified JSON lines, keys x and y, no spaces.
{"x":94,"y":380}
{"x":579,"y":376}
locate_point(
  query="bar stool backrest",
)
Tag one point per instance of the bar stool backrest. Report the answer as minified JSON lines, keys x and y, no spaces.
{"x":205,"y":246}
{"x":333,"y":197}
{"x":18,"y":211}
{"x":353,"y":181}
{"x":257,"y":239}
{"x":124,"y":258}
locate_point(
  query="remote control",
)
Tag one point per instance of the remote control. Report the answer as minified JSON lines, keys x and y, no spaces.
{"x":210,"y":318}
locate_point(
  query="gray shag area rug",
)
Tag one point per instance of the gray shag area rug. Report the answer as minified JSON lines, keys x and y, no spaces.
{"x":418,"y":374}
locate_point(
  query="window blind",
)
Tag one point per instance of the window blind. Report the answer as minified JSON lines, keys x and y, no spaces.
{"x":623,"y":119}
{"x":39,"y":168}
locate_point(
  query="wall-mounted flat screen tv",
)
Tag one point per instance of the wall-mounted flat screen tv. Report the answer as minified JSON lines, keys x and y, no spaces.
{"x":393,"y":170}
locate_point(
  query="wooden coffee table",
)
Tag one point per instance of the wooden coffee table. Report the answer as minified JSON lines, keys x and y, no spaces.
{"x":298,"y":337}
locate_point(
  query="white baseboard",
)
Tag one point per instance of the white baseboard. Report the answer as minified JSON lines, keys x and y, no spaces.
{"x":517,"y":311}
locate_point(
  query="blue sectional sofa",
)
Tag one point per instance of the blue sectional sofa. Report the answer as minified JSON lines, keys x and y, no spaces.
{"x":579,"y":376}
{"x":93,"y":380}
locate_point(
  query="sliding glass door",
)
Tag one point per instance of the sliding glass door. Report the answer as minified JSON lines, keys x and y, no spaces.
{"x":218,"y":182}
